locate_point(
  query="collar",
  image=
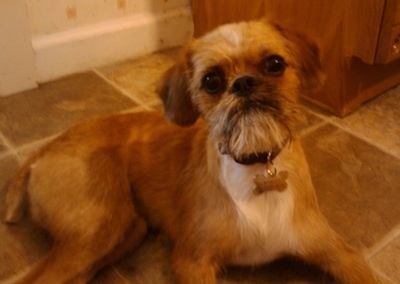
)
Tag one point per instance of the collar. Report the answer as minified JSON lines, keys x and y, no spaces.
{"x":261,"y":158}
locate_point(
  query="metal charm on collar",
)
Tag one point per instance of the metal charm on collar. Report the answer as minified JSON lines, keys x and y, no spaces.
{"x":270,"y":167}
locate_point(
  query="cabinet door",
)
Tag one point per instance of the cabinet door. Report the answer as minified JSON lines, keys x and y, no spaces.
{"x":356,"y":23}
{"x":208,"y":14}
{"x":389,"y":41}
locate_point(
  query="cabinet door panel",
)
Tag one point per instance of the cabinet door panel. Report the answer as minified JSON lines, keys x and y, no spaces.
{"x":358,"y":21}
{"x":389,"y":41}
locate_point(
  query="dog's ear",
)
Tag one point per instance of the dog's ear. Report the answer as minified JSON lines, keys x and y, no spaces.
{"x":307,"y":54}
{"x":174,"y":92}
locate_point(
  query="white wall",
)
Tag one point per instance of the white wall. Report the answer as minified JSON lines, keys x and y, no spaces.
{"x":51,"y":16}
{"x":69,"y":36}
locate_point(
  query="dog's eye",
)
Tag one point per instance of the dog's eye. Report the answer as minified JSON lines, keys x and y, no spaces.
{"x":213,"y":82}
{"x":274,"y":65}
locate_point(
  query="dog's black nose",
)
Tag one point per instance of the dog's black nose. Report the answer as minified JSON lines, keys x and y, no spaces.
{"x":242,"y":86}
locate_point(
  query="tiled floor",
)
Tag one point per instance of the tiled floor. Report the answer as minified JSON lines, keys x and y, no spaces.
{"x":355,"y":164}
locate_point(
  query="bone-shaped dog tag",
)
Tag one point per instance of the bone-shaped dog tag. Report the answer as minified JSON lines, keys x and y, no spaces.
{"x":265,"y":183}
{"x":271,"y":181}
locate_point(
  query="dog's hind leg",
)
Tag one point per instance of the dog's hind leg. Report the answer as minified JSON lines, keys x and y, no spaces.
{"x":75,"y":261}
{"x":87,"y":207}
{"x":132,"y":238}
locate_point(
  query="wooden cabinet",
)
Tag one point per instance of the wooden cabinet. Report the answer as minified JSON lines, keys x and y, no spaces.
{"x":359,"y":40}
{"x":389,"y":41}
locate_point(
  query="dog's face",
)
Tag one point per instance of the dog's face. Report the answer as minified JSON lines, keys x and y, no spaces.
{"x":244,"y":80}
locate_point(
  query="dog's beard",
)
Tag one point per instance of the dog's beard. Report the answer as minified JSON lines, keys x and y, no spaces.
{"x":243,"y":126}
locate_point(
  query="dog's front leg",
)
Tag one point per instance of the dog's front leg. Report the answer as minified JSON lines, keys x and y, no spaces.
{"x":190,"y":269}
{"x":322,"y":246}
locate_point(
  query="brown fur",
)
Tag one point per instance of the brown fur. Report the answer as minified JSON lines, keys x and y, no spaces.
{"x":100,"y":185}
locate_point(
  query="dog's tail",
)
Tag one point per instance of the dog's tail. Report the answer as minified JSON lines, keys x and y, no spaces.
{"x":16,"y":198}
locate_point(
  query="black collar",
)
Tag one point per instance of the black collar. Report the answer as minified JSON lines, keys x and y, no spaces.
{"x":261,"y":158}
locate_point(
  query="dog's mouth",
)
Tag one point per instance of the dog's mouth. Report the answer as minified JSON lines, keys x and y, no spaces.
{"x":253,"y":103}
{"x":252,"y":133}
{"x":254,"y":158}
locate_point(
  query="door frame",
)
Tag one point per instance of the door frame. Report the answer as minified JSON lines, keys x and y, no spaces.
{"x":17,"y":67}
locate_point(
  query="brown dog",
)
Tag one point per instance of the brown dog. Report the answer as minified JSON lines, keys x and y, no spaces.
{"x":231,"y":188}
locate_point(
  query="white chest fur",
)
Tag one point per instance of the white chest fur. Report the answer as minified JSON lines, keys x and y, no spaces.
{"x":265,"y":220}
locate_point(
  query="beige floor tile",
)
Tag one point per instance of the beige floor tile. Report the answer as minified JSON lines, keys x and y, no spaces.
{"x":387,"y":261}
{"x":8,"y":166}
{"x":377,"y":122}
{"x":140,"y":77}
{"x":57,"y":105}
{"x":357,"y":185}
{"x":309,"y":122}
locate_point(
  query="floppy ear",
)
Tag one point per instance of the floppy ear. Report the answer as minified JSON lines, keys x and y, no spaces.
{"x":307,"y":55}
{"x":174,"y":92}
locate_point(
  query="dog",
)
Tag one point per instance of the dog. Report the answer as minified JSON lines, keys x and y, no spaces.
{"x":224,"y":175}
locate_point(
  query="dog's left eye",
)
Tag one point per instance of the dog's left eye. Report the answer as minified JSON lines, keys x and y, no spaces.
{"x":213,"y":82}
{"x":273,"y":65}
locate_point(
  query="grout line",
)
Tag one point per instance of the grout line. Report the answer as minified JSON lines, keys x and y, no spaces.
{"x":133,"y":109}
{"x":348,"y":130}
{"x":311,"y":129}
{"x":367,"y":140}
{"x":36,"y":144}
{"x":379,"y":273}
{"x":7,"y":154}
{"x":120,"y":89}
{"x":10,"y":147}
{"x":17,"y":150}
{"x":384,"y":242}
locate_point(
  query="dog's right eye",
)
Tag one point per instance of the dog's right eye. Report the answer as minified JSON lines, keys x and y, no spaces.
{"x":213,"y":82}
{"x":274,"y":66}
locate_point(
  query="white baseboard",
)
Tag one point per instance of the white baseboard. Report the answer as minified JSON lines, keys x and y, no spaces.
{"x":85,"y":48}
